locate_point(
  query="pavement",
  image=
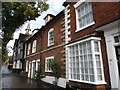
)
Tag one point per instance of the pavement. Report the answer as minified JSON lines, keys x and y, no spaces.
{"x":11,"y":81}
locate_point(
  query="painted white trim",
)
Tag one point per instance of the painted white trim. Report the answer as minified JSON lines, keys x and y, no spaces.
{"x":77,"y":22}
{"x":109,"y":26}
{"x":88,"y":25}
{"x":34,"y":61}
{"x":29,"y":47}
{"x":79,"y":3}
{"x":52,"y":29}
{"x":94,"y":83}
{"x":50,"y":79}
{"x":25,"y":50}
{"x":29,"y":69}
{"x":67,"y":6}
{"x":110,"y":30}
{"x":51,"y":57}
{"x":37,"y":61}
{"x":27,"y":66}
{"x":34,"y":44}
{"x":87,"y":39}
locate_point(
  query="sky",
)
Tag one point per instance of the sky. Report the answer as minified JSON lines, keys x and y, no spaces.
{"x":55,"y":6}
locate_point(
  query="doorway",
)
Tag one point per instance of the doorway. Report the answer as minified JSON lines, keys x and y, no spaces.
{"x":117,"y":48}
{"x":33,"y":69}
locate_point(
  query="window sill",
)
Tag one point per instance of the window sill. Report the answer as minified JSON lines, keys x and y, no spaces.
{"x":94,"y":83}
{"x":85,"y":26}
{"x":48,"y":71}
{"x":51,"y":45}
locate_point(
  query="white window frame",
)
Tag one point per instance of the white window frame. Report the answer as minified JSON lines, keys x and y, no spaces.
{"x":77,"y":5}
{"x":27,"y":66}
{"x":29,"y":47}
{"x":34,"y":46}
{"x":18,"y":50}
{"x":14,"y":64}
{"x":19,"y":64}
{"x":37,"y":61}
{"x":46,"y":61}
{"x":96,"y":82}
{"x":25,"y":51}
{"x":51,"y":30}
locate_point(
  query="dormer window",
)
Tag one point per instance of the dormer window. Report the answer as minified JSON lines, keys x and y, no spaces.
{"x":48,"y":18}
{"x":51,"y":37}
{"x":84,"y":15}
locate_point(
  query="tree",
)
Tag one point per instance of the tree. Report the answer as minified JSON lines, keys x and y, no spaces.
{"x":15,"y":14}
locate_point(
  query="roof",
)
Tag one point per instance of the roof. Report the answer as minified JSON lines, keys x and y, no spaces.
{"x":49,"y":23}
{"x":49,"y":15}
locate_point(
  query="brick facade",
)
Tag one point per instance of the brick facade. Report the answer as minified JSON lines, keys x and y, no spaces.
{"x":43,"y":50}
{"x":103,"y":13}
{"x":64,"y":25}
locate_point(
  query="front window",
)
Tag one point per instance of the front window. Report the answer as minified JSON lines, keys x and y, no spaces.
{"x":84,"y":15}
{"x":117,"y":39}
{"x":34,"y":46}
{"x":51,"y":37}
{"x":85,"y":62}
{"x":29,"y":46}
{"x":47,"y":65}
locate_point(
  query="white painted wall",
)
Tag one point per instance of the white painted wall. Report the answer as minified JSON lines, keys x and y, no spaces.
{"x":110,"y":30}
{"x":50,"y":79}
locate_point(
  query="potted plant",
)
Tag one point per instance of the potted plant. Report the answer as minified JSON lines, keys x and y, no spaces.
{"x":38,"y":74}
{"x":54,"y":67}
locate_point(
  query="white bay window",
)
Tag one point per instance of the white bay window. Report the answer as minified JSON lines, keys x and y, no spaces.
{"x":85,"y":62}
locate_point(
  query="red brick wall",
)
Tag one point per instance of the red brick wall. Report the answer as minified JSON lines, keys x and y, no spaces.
{"x":103,"y":13}
{"x":42,"y":43}
{"x":56,"y":52}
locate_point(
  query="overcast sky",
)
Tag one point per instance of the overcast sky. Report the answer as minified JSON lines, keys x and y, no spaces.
{"x":55,"y":8}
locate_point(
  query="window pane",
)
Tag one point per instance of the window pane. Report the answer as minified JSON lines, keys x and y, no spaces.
{"x":96,"y":47}
{"x":81,"y":61}
{"x":85,"y":15}
{"x":116,"y":38}
{"x":51,"y":37}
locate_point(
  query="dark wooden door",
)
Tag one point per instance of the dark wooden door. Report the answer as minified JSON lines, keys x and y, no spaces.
{"x":118,"y":57}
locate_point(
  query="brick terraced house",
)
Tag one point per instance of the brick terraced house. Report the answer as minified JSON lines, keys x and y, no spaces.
{"x":45,"y":45}
{"x":88,"y":64}
{"x":84,"y":39}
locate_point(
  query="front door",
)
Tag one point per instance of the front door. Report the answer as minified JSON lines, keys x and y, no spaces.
{"x":118,"y":57}
{"x":33,"y":69}
{"x":29,"y":70}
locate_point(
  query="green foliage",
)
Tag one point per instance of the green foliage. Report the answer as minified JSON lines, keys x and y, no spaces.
{"x":15,"y":14}
{"x":38,"y":74}
{"x":54,"y":67}
{"x":24,"y":74}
